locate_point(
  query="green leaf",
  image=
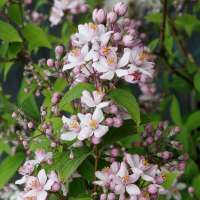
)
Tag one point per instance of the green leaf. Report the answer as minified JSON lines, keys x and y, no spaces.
{"x":125,"y":99}
{"x":8,"y":33}
{"x":196,"y":184}
{"x":35,"y":36}
{"x":197,"y":81}
{"x":2,"y":3}
{"x":154,"y":18}
{"x":14,"y":12}
{"x":60,"y":85}
{"x":75,"y":93}
{"x":80,"y":198}
{"x":193,"y":121}
{"x":169,"y":179}
{"x":87,"y":170}
{"x":5,"y":147}
{"x":191,"y":170}
{"x":66,"y":166}
{"x":9,"y":166}
{"x":175,"y":111}
{"x":117,"y":134}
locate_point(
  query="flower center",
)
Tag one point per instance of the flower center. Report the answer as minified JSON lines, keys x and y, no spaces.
{"x":75,"y":52}
{"x":93,"y":26}
{"x":136,"y":75}
{"x":105,"y":51}
{"x":93,"y":124}
{"x":111,"y":61}
{"x":125,"y":179}
{"x":74,"y":124}
{"x":145,"y":162}
{"x":144,"y":55}
{"x":106,"y":169}
{"x":30,"y":198}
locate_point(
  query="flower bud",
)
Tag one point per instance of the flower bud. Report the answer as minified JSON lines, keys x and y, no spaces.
{"x":84,"y":8}
{"x":14,"y":115}
{"x":159,"y":180}
{"x":109,"y":122}
{"x":55,"y":187}
{"x":30,"y":125}
{"x":112,"y":17}
{"x":99,"y":16}
{"x":152,"y":189}
{"x":128,"y":40}
{"x":113,"y":109}
{"x":117,"y":122}
{"x":114,"y":152}
{"x":103,"y":197}
{"x":121,"y":8}
{"x":191,"y":190}
{"x":117,"y":36}
{"x":111,"y":196}
{"x":50,"y":63}
{"x":95,"y":140}
{"x":59,"y":51}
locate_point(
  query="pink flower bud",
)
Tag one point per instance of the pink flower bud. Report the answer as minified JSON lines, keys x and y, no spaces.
{"x":159,"y":180}
{"x":121,"y":8}
{"x":191,"y":190}
{"x":181,"y":165}
{"x":114,"y":152}
{"x":111,"y":196}
{"x":117,"y":122}
{"x":48,"y":132}
{"x":109,"y":122}
{"x":84,"y":8}
{"x":103,"y":197}
{"x":55,"y":187}
{"x":99,"y":16}
{"x":113,"y":109}
{"x":14,"y":115}
{"x":112,"y":17}
{"x":117,"y":36}
{"x":50,"y":63}
{"x":95,"y":140}
{"x":59,"y":51}
{"x":128,"y":40}
{"x":30,"y":125}
{"x":149,"y":140}
{"x":152,"y":189}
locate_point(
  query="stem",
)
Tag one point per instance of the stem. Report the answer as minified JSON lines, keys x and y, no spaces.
{"x":163,"y":26}
{"x":96,"y":152}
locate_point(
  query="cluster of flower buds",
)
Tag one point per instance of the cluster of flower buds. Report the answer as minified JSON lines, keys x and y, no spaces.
{"x":38,"y":187}
{"x":109,"y":49}
{"x":60,"y":7}
{"x":134,"y":178}
{"x":161,"y":143}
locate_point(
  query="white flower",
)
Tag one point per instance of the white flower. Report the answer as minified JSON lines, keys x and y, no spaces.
{"x":110,"y":65}
{"x":88,"y":33}
{"x":141,"y":167}
{"x":76,"y":58}
{"x":125,"y":182}
{"x":56,"y":15}
{"x":94,"y":100}
{"x":73,"y":128}
{"x":90,"y":125}
{"x":38,"y":186}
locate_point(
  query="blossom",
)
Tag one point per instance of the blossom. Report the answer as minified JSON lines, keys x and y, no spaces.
{"x":94,"y":100}
{"x":141,"y":167}
{"x":38,"y":186}
{"x":42,"y":157}
{"x":28,"y":167}
{"x":125,"y":182}
{"x":111,"y":65}
{"x":73,"y":127}
{"x":91,"y":125}
{"x":76,"y":58}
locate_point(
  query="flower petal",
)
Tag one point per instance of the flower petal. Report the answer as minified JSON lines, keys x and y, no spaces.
{"x":101,"y":131}
{"x":42,"y":177}
{"x":85,"y":133}
{"x":133,"y":189}
{"x":68,"y":136}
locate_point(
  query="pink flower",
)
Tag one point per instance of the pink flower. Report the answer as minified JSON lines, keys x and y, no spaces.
{"x":94,"y":100}
{"x":27,"y":168}
{"x":141,"y":167}
{"x":76,"y":58}
{"x":91,"y":125}
{"x":42,"y":157}
{"x":38,"y":186}
{"x":56,"y":16}
{"x":125,"y":182}
{"x":110,"y":65}
{"x":73,"y":127}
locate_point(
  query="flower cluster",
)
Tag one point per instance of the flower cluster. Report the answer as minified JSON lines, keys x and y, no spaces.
{"x":134,"y":178}
{"x":60,"y":7}
{"x":38,"y":187}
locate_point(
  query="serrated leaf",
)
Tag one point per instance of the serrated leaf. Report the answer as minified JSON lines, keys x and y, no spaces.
{"x":35,"y":36}
{"x":9,"y":166}
{"x":175,"y":111}
{"x":75,"y":93}
{"x":8,"y":33}
{"x":125,"y":99}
